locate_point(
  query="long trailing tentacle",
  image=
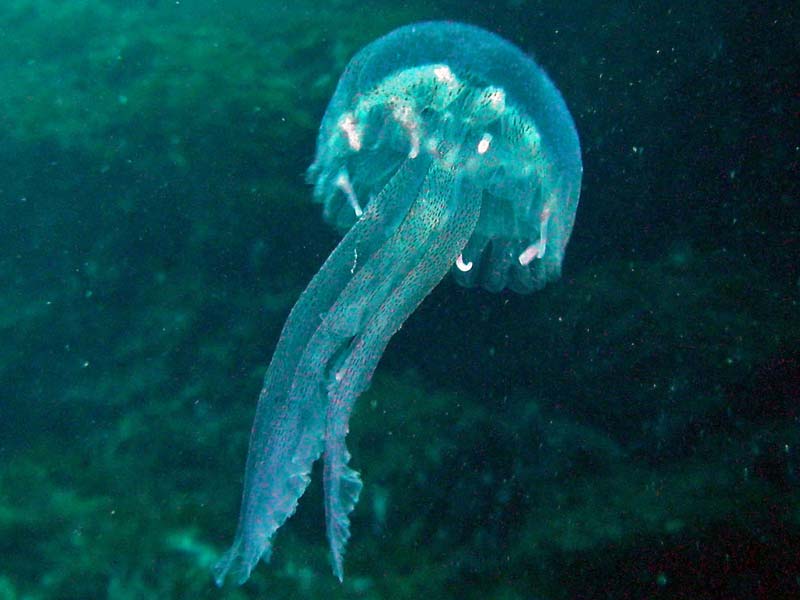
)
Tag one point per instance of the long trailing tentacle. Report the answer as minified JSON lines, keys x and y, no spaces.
{"x":288,"y":429}
{"x":441,"y":222}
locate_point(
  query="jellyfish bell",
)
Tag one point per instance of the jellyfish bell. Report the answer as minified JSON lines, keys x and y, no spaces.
{"x":502,"y":120}
{"x":443,"y":149}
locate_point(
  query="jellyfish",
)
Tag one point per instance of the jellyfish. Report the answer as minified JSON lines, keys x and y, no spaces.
{"x":443,"y":149}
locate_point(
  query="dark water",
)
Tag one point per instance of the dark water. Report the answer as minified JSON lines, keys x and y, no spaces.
{"x":631,"y":431}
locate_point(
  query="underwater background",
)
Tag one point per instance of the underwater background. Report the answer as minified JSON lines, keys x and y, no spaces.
{"x":630,"y":431}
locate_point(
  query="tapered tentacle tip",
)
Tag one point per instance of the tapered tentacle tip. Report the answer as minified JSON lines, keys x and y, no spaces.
{"x":220,"y":569}
{"x":228,"y":568}
{"x":237,"y":563}
{"x":338,"y":569}
{"x":338,"y":540}
{"x":342,"y":488}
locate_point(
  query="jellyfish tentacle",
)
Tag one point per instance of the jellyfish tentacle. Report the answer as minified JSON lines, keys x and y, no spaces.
{"x":456,"y":207}
{"x":367,"y":290}
{"x":287,"y":432}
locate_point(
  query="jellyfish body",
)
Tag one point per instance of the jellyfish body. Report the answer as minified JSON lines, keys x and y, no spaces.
{"x":444,"y":148}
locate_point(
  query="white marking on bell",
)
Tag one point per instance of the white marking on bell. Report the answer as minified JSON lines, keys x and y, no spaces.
{"x":497,"y":100}
{"x":461,"y":265}
{"x":483,"y":145}
{"x":414,"y":151}
{"x":538,"y":249}
{"x":401,"y":110}
{"x":544,"y":219}
{"x":347,"y":124}
{"x":444,"y":74}
{"x":343,"y":183}
{"x":404,"y":114}
{"x":531,"y":252}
